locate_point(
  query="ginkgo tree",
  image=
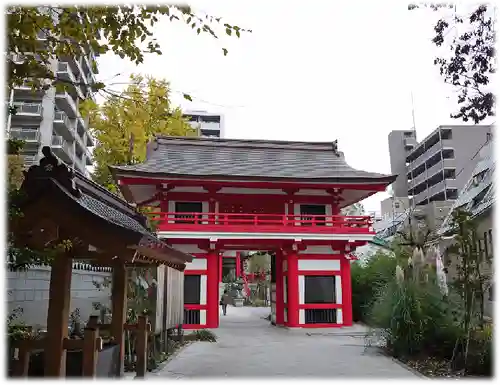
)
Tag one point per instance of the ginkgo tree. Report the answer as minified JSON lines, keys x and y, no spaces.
{"x":126,"y":122}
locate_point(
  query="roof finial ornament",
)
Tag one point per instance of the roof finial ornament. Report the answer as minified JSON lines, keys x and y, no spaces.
{"x":51,"y":167}
{"x":335,"y":147}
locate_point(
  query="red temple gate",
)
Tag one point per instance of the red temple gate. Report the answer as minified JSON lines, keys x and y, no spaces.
{"x":282,"y":197}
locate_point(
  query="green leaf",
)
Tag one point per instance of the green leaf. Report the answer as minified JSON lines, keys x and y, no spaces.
{"x":238,"y":33}
{"x":228,"y":31}
{"x":187,"y":97}
{"x":225,"y":51}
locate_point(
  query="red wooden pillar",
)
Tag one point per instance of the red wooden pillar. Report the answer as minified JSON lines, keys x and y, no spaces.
{"x":345,"y":271}
{"x":280,"y":306}
{"x":220,"y":266}
{"x":212,"y":290}
{"x":293,"y":289}
{"x":238,"y":265}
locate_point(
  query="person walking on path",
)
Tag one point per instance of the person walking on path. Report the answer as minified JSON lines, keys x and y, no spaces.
{"x":224,"y":301}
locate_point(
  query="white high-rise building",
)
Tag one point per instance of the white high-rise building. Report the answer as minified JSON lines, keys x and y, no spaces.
{"x":211,"y":125}
{"x":50,"y":118}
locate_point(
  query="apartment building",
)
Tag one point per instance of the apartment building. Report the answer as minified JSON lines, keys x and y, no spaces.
{"x":50,"y":118}
{"x":210,"y":125}
{"x":438,"y":166}
{"x":401,"y":143}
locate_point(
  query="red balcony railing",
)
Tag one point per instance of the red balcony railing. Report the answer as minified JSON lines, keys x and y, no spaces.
{"x":237,"y":222}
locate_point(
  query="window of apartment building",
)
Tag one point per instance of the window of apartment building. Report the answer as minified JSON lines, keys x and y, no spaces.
{"x":486,"y":245}
{"x":408,"y":134}
{"x":480,"y":248}
{"x":479,"y":197}
{"x":490,"y":240}
{"x":210,"y":119}
{"x":319,"y":289}
{"x":478,"y":178}
{"x":448,"y":154}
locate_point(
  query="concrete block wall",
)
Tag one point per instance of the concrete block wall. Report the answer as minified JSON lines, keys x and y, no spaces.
{"x":30,"y":291}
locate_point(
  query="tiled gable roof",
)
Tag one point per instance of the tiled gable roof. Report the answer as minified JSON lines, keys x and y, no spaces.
{"x":214,"y":157}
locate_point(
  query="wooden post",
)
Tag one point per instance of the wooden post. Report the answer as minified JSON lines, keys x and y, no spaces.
{"x":141,"y":346}
{"x":180,"y":334}
{"x":90,"y":352}
{"x":58,"y":316}
{"x":119,"y":310}
{"x":22,"y":365}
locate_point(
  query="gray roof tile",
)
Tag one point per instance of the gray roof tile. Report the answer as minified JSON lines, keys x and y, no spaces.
{"x":248,"y":158}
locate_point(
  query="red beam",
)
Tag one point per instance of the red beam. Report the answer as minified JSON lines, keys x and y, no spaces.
{"x":238,"y":198}
{"x":195,"y":307}
{"x":319,"y":272}
{"x":195,"y":272}
{"x":312,"y":326}
{"x":253,"y":184}
{"x":321,"y":256}
{"x":320,"y":306}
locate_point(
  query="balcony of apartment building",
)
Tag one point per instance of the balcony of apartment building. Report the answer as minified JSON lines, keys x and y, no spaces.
{"x":66,"y":101}
{"x":82,"y":139}
{"x":65,"y":73}
{"x":63,"y":149}
{"x":29,"y":160}
{"x":438,"y":187}
{"x":26,"y":91}
{"x":434,"y":142}
{"x":30,"y":136}
{"x":433,"y":164}
{"x":80,"y":160}
{"x":63,"y":125}
{"x":27,"y":113}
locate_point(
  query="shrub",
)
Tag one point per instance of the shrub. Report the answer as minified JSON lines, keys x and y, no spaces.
{"x":416,"y":318}
{"x":367,"y":281}
{"x":479,"y":359}
{"x":205,"y":335}
{"x":258,"y":303}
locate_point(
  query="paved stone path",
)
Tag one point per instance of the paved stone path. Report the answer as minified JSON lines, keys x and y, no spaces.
{"x":248,"y":346}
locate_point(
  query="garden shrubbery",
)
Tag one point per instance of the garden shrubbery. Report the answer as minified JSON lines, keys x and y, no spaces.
{"x":367,"y":281}
{"x":420,"y":321}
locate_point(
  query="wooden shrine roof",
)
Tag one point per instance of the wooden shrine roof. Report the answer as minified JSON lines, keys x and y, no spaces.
{"x":170,"y":156}
{"x":95,"y":212}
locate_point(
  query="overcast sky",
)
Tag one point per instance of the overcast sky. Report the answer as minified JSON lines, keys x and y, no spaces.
{"x":329,"y":70}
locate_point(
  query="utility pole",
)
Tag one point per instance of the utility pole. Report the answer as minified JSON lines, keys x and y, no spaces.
{"x":413,"y":114}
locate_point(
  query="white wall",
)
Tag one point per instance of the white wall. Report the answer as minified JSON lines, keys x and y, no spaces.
{"x":30,"y":291}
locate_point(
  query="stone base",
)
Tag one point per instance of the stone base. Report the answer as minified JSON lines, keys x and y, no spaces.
{"x":238,"y":302}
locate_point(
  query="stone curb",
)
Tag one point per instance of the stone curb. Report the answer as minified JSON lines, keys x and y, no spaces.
{"x":163,"y":364}
{"x":405,"y":366}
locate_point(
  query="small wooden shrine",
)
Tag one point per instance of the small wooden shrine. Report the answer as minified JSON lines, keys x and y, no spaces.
{"x":98,"y":227}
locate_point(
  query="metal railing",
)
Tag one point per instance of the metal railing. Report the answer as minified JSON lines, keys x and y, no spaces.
{"x":26,"y":134}
{"x":57,"y":141}
{"x":60,"y":116}
{"x":28,"y":108}
{"x":29,"y":160}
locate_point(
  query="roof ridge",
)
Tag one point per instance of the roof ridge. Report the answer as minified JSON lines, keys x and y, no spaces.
{"x":234,"y":140}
